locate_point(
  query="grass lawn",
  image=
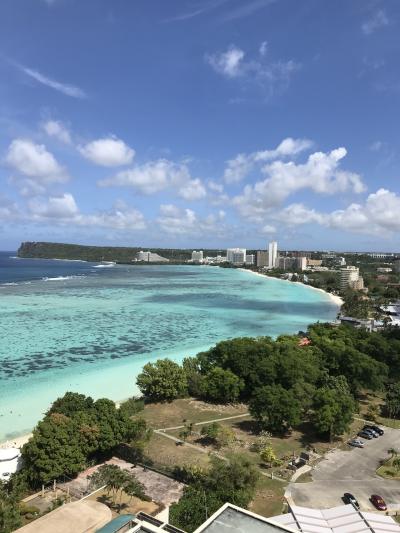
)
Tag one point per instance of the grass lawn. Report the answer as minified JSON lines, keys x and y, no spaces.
{"x":269,"y":499}
{"x":165,"y":452}
{"x":162,"y":415}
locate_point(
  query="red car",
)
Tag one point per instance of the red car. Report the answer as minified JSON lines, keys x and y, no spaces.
{"x":379,"y":502}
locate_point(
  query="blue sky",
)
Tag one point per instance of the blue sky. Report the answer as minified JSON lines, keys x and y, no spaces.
{"x":205,"y":123}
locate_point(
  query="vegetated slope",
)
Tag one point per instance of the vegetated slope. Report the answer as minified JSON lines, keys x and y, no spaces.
{"x":53,"y":250}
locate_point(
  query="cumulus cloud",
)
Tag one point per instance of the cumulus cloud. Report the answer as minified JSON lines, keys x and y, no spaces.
{"x":240,"y":166}
{"x":321,"y":174}
{"x":56,"y":129}
{"x":58,"y":207}
{"x":259,"y":70}
{"x":156,"y":176}
{"x":64,"y":88}
{"x":377,"y":21}
{"x":35,"y":162}
{"x":108,"y":152}
{"x":182,"y":221}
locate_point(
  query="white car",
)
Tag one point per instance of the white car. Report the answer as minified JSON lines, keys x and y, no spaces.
{"x":357,"y":443}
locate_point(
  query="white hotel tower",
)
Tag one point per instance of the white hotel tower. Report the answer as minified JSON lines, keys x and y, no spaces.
{"x":272,"y":254}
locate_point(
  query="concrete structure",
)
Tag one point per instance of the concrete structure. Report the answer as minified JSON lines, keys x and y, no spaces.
{"x":85,"y":516}
{"x":301,"y":263}
{"x":197,"y":257}
{"x":379,"y":255}
{"x":150,"y":257}
{"x":357,"y":285}
{"x":348,"y":275}
{"x":262,"y":258}
{"x":236,"y":256}
{"x":10,"y":462}
{"x":292,"y":263}
{"x":272,"y":254}
{"x":250,"y":259}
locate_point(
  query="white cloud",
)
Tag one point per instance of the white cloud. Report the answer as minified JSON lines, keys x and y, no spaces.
{"x":62,"y":210}
{"x":108,"y":152}
{"x":192,"y":190}
{"x":269,"y":229}
{"x":156,"y":176}
{"x":263,"y":48}
{"x":376,"y":146}
{"x":320,"y":174}
{"x":242,"y":164}
{"x":178,"y":221}
{"x":35,"y":162}
{"x":259,"y":71}
{"x":228,"y":63}
{"x":58,"y":207}
{"x":68,"y":90}
{"x":377,"y":21}
{"x":56,"y":129}
{"x":247,"y":8}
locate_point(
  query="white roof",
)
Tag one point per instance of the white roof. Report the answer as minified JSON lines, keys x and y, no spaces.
{"x":7,"y":454}
{"x":341,"y":519}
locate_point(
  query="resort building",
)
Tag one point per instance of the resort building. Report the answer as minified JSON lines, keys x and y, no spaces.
{"x":250,"y":259}
{"x":272,"y":254}
{"x":314,"y":262}
{"x":349,"y":276}
{"x":262,"y":258}
{"x":197,"y":257}
{"x":150,"y":257}
{"x":236,"y":256}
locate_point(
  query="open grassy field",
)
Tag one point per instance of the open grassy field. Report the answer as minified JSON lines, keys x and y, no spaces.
{"x":269,"y":499}
{"x":167,"y":453}
{"x":163,"y":415}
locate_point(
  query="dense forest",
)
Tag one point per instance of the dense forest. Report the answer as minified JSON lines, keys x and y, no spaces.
{"x":53,"y":250}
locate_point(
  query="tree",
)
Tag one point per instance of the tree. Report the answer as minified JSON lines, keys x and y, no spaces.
{"x":194,"y":377}
{"x":275,"y":408}
{"x":393,"y":400}
{"x":396,"y":464}
{"x":10,"y":516}
{"x":218,"y":434}
{"x":162,"y":381}
{"x":267,"y":455}
{"x":333,"y":407}
{"x":221,"y":386}
{"x":71,"y":403}
{"x":372,"y":412}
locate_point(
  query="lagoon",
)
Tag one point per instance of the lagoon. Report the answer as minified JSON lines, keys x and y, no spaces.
{"x":86,"y":328}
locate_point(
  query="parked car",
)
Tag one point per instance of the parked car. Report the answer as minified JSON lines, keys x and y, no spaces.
{"x":369,"y":429}
{"x":357,"y":443}
{"x":365,"y":435}
{"x":348,"y":498}
{"x":379,"y":502}
{"x":378,"y":430}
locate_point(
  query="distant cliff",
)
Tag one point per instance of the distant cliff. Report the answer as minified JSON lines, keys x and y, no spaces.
{"x":54,"y":250}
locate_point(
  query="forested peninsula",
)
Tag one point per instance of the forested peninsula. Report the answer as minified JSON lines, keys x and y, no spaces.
{"x":53,"y":250}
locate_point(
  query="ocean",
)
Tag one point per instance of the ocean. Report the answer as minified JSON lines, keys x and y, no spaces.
{"x":88,"y":327}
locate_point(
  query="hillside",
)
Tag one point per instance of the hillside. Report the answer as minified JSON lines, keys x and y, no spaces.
{"x":52,"y":250}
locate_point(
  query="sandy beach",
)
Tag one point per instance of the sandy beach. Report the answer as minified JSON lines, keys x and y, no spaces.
{"x":18,"y":442}
{"x":334,"y":297}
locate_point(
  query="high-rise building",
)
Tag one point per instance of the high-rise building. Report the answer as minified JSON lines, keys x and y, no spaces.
{"x":250,"y":259}
{"x":272,"y":254}
{"x":301,"y":263}
{"x":262,"y":258}
{"x":197,"y":257}
{"x":237,"y":256}
{"x":348,"y":276}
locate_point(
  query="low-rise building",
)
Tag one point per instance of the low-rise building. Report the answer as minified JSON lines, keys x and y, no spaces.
{"x":10,"y":462}
{"x":150,"y":257}
{"x":314,"y":262}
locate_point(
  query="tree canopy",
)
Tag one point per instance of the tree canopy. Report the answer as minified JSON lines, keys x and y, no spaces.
{"x":162,"y":381}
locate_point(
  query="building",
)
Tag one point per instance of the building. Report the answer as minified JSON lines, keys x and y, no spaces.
{"x":301,"y":263}
{"x":396,"y":266}
{"x":236,"y":256}
{"x":286,"y":263}
{"x":348,"y":275}
{"x":314,"y":262}
{"x":376,"y":255}
{"x":262,"y":258}
{"x":150,"y":257}
{"x":384,"y":270}
{"x":232,"y":519}
{"x":272,"y":254}
{"x":357,"y":285}
{"x":10,"y":462}
{"x":250,"y":259}
{"x":197,"y":257}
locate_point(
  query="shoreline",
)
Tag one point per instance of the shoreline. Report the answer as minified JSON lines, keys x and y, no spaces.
{"x":334,"y":297}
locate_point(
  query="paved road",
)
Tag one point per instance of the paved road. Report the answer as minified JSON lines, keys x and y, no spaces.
{"x":351,"y":471}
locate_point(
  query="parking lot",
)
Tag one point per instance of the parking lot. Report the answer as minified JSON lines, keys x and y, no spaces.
{"x":351,"y":471}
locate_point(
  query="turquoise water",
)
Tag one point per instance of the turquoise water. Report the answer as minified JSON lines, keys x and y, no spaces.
{"x":93,"y":332}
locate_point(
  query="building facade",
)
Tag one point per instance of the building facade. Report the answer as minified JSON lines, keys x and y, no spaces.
{"x":236,"y":256}
{"x":272,"y":254}
{"x":197,"y":257}
{"x":262,"y":258}
{"x":348,"y":276}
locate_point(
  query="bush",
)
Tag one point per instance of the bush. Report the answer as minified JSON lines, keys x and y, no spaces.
{"x":132,"y":406}
{"x":221,"y":386}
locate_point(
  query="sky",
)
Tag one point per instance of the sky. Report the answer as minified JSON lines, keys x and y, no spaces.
{"x":201,"y":123}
